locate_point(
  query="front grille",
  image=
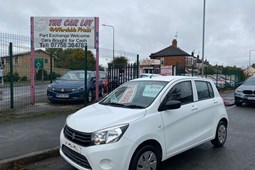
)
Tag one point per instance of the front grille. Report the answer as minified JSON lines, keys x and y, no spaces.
{"x":80,"y":138}
{"x":76,"y":157}
{"x":248,"y":92}
{"x":63,"y":90}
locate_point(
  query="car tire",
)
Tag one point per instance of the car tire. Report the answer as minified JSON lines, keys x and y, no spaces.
{"x":221,"y":134}
{"x":102,"y":91}
{"x":90,"y":96}
{"x":52,"y":101}
{"x":238,"y":103}
{"x":147,"y":157}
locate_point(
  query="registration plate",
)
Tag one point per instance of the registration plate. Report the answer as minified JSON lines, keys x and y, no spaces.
{"x":73,"y":146}
{"x":62,"y":95}
{"x":251,"y":98}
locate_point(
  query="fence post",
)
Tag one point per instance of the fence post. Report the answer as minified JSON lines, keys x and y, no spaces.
{"x":50,"y":66}
{"x":138,"y":66}
{"x":11,"y":76}
{"x":216,"y":75}
{"x":85,"y":76}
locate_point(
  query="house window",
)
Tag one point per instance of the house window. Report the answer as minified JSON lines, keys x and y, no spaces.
{"x":7,"y":61}
{"x":162,"y":61}
{"x":16,"y":60}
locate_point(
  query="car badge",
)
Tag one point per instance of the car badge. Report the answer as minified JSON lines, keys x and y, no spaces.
{"x":62,"y":90}
{"x":73,"y":136}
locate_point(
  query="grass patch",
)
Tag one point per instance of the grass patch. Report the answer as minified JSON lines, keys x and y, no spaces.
{"x":9,"y":117}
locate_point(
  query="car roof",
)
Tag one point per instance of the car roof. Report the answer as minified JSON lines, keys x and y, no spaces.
{"x":170,"y":78}
{"x":80,"y":71}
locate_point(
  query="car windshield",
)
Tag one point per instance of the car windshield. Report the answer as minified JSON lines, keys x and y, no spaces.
{"x":74,"y":75}
{"x":134,"y":94}
{"x":250,"y":81}
{"x":103,"y":75}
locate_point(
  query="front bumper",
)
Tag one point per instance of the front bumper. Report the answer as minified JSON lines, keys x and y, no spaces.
{"x":72,"y":96}
{"x":113,"y":156}
{"x":244,"y":98}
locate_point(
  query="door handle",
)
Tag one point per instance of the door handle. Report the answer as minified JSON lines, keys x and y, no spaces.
{"x":215,"y":101}
{"x":194,"y":108}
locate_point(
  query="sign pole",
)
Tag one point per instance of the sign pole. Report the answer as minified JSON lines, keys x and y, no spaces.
{"x":32,"y":68}
{"x":97,"y":57}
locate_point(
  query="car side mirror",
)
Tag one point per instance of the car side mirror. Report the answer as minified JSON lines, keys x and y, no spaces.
{"x":169,"y":105}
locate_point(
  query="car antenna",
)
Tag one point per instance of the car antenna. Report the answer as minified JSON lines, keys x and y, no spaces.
{"x":150,"y":76}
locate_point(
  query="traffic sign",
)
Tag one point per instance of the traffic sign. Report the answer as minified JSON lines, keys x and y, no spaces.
{"x":39,"y":63}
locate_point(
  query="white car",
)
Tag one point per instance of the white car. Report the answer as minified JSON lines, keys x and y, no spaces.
{"x":143,"y":122}
{"x":149,"y":75}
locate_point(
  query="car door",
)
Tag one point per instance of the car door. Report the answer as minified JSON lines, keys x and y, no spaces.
{"x":181,"y":125}
{"x":207,"y":111}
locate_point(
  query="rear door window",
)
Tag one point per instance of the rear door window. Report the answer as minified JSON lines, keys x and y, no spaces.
{"x":204,"y":90}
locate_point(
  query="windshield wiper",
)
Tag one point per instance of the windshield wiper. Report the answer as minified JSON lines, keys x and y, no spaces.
{"x":114,"y":104}
{"x":135,"y":106}
{"x":132,"y":106}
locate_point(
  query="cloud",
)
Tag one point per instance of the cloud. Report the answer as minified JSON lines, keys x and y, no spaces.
{"x":145,"y":27}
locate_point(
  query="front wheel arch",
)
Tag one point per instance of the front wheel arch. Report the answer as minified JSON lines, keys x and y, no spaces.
{"x":150,"y":144}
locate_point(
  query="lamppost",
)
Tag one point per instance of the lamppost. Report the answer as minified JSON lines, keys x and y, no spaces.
{"x":105,"y":25}
{"x":250,"y":57}
{"x":203,"y":40}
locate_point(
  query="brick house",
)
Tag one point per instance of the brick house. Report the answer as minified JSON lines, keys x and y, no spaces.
{"x":181,"y":62}
{"x":21,"y":63}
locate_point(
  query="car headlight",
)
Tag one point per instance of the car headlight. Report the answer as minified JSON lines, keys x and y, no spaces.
{"x":79,"y":89}
{"x":109,"y":135}
{"x":238,"y":91}
{"x":50,"y":88}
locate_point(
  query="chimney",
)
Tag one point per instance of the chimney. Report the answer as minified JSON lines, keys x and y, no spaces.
{"x":174,"y":42}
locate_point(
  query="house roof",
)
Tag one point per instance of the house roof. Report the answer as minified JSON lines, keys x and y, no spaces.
{"x":169,"y":51}
{"x":28,"y":53}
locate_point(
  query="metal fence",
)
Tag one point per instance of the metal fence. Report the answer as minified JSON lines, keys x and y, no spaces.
{"x":15,"y":84}
{"x":15,"y":71}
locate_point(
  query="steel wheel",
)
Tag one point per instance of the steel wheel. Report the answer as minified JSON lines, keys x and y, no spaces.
{"x":221,"y":134}
{"x":147,"y":161}
{"x":145,"y":158}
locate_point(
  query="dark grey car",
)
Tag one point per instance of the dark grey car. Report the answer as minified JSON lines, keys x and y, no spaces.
{"x":246,"y":92}
{"x":70,"y":87}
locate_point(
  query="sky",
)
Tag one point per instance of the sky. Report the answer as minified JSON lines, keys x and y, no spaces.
{"x":148,"y":26}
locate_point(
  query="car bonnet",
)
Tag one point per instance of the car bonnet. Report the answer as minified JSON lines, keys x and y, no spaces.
{"x":97,"y":117}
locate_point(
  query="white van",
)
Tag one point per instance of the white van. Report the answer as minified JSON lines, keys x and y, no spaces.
{"x":143,"y":122}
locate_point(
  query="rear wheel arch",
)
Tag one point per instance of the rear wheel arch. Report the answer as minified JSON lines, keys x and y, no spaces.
{"x":225,"y":121}
{"x":220,"y":133}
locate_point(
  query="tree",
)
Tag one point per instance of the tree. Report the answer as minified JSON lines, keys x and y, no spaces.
{"x":119,"y":62}
{"x":208,"y":70}
{"x":73,"y":58}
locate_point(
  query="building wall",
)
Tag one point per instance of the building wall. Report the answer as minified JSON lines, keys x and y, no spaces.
{"x":21,"y":63}
{"x":173,"y":60}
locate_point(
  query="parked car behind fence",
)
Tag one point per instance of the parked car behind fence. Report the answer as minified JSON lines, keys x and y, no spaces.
{"x":70,"y":87}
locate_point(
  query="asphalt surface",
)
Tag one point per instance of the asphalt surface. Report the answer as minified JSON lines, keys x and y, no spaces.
{"x":29,"y":140}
